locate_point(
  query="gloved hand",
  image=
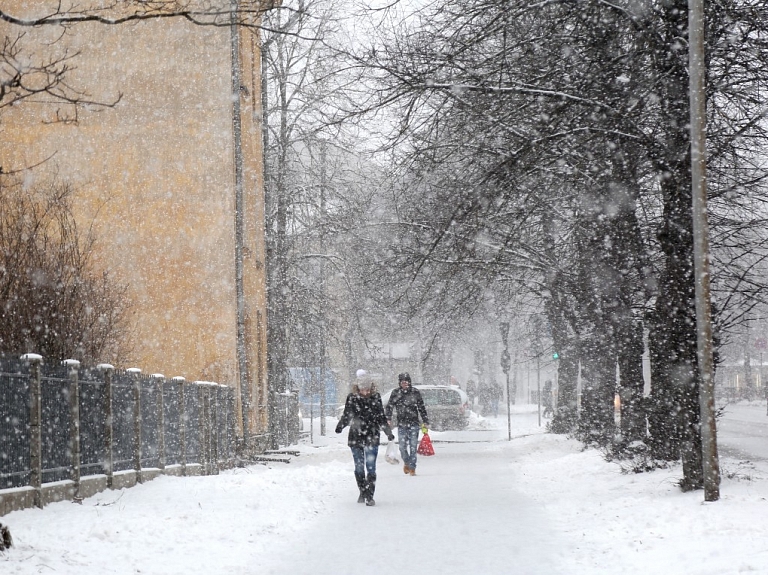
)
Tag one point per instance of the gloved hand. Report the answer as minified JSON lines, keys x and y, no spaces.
{"x":391,"y":437}
{"x":424,"y":429}
{"x":339,"y":428}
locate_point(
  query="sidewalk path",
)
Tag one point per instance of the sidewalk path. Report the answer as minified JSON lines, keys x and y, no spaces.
{"x":460,"y":514}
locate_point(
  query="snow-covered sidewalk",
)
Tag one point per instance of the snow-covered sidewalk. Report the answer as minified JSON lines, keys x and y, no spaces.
{"x":481,"y":505}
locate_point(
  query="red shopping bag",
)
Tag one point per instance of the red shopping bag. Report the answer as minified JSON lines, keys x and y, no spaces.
{"x":425,"y":446}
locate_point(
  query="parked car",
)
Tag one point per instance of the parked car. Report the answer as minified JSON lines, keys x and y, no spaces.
{"x":447,"y":406}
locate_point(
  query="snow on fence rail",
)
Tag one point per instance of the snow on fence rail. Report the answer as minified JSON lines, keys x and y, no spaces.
{"x":68,"y":431}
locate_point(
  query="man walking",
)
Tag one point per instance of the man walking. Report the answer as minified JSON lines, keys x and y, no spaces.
{"x":409,"y":404}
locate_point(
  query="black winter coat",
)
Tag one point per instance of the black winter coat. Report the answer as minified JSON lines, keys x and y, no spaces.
{"x":365,"y":417}
{"x":409,"y":406}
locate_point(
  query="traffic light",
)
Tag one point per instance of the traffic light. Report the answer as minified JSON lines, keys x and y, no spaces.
{"x":555,"y":355}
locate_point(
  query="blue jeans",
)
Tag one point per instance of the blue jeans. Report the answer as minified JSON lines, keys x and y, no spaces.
{"x":408,"y":436}
{"x":365,"y":459}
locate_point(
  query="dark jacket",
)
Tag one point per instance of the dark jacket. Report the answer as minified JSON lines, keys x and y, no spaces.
{"x":365,"y":417}
{"x":409,"y":406}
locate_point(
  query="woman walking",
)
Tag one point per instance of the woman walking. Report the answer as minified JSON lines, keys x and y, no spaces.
{"x":364,"y":414}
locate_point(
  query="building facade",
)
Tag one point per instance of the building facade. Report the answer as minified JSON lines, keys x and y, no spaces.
{"x":168,"y":174}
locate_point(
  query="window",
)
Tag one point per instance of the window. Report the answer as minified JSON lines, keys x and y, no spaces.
{"x":448,"y":397}
{"x":429,"y":396}
{"x":440,"y":397}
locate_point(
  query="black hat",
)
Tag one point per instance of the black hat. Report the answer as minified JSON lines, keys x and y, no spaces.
{"x":404,"y":377}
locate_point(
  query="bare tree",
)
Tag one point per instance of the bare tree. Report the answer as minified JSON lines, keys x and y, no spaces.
{"x":51,"y":300}
{"x":580,"y":111}
{"x":314,"y":192}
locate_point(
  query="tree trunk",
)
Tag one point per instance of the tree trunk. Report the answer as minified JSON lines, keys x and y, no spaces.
{"x":598,"y":384}
{"x":675,"y":382}
{"x":566,"y":414}
{"x":595,"y":294}
{"x":631,"y":382}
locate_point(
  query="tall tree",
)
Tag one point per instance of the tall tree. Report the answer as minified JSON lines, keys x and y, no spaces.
{"x":599,"y":108}
{"x":315,"y":179}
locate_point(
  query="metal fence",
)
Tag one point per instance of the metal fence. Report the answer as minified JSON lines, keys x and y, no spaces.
{"x":14,"y":425}
{"x":64,"y":422}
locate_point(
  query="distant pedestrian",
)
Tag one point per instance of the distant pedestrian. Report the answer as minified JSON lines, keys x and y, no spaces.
{"x":408,"y":403}
{"x":495,"y":395}
{"x":471,"y":393}
{"x":547,"y":401}
{"x":364,"y":414}
{"x":484,"y":398}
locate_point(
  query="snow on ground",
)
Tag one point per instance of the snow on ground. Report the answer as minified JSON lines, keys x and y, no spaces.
{"x":537,"y":504}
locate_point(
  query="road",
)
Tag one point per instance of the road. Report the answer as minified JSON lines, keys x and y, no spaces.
{"x":742,"y":431}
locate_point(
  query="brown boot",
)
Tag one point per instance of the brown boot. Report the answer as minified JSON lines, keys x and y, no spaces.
{"x":411,"y":471}
{"x":406,"y":469}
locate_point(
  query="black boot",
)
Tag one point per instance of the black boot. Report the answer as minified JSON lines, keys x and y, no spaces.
{"x":371,"y":489}
{"x":362,"y":486}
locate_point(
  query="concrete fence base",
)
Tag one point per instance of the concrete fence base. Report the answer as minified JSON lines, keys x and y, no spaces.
{"x":20,"y":498}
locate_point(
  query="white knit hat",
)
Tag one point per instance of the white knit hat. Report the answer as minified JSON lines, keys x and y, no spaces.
{"x":363,"y":380}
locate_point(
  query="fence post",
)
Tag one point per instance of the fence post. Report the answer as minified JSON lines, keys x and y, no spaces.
{"x":160,"y":421}
{"x":35,"y":429}
{"x":108,"y":369}
{"x":136,"y":375}
{"x":295,"y":422}
{"x":215,"y":429}
{"x":202,"y":395}
{"x":182,"y":425}
{"x":232,"y":425}
{"x":74,"y":426}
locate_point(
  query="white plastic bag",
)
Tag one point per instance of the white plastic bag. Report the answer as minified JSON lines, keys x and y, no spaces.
{"x":391,"y":453}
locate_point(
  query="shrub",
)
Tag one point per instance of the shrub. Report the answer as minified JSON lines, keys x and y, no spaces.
{"x":52,"y":301}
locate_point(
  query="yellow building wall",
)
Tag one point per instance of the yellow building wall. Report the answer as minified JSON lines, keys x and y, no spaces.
{"x":154,"y":174}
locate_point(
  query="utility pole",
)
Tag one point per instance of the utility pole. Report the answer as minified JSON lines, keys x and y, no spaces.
{"x":538,"y":385}
{"x":537,"y":351}
{"x":701,"y":249}
{"x":323,"y":324}
{"x":505,"y":365}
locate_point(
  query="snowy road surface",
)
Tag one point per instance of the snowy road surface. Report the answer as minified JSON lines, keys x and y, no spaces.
{"x":743,"y":430}
{"x":538,"y":504}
